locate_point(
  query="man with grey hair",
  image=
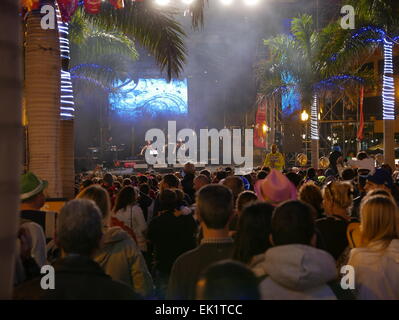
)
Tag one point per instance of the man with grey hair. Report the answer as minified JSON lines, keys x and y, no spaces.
{"x":77,"y":276}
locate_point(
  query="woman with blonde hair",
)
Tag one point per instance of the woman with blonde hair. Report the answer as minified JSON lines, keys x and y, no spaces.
{"x":119,"y":255}
{"x":337,"y":202}
{"x":376,"y":262}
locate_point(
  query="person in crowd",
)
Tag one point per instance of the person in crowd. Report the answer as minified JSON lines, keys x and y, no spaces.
{"x":336,"y":163}
{"x":206,"y":172}
{"x":348,"y":174}
{"x":169,"y":181}
{"x":235,"y":184}
{"x":119,"y":255}
{"x":201,"y":181}
{"x":219,"y":176}
{"x":363,"y":163}
{"x":244,"y":198}
{"x":274,"y":159}
{"x":145,"y":202}
{"x":295,"y":179}
{"x":276,"y":188}
{"x":252,"y":239}
{"x":381,"y":179}
{"x":188,"y":181}
{"x":129,"y":212}
{"x":311,"y":194}
{"x":85,"y":183}
{"x":171,"y":234}
{"x":78,"y":276}
{"x":108,"y":184}
{"x":127,"y":182}
{"x":376,"y":262}
{"x":32,"y":200}
{"x":228,"y":280}
{"x":261,"y":175}
{"x":27,"y":264}
{"x":311,"y":175}
{"x":229,"y":171}
{"x":214,"y":208}
{"x":295,"y":268}
{"x":337,"y":202}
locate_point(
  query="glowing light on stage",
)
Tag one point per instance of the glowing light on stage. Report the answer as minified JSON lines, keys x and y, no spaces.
{"x":314,"y":125}
{"x":227,"y":2}
{"x":162,"y":2}
{"x":251,"y":2}
{"x":388,"y":88}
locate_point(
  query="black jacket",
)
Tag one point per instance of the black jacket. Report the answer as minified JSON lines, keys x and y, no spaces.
{"x":76,"y":278}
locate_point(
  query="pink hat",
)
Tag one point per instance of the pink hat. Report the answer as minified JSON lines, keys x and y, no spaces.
{"x":276,"y":188}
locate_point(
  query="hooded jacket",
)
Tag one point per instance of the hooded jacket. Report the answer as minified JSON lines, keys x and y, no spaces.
{"x":121,"y":259}
{"x":297,"y":272}
{"x":376,"y":271}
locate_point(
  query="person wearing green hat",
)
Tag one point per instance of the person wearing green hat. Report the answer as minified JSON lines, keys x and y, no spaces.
{"x":32,"y":200}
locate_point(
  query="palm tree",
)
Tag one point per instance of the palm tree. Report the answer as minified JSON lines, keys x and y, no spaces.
{"x":10,"y":139}
{"x":154,"y":29}
{"x":307,"y":62}
{"x":42,"y":94}
{"x":378,"y":26}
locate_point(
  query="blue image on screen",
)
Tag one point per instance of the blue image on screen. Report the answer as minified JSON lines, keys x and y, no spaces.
{"x":290,"y":99}
{"x":150,"y":97}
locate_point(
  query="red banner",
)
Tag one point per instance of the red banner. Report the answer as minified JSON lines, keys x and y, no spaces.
{"x":360,"y":135}
{"x":92,"y":6}
{"x":260,"y":125}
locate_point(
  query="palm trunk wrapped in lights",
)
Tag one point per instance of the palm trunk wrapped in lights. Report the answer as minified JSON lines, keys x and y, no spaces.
{"x":67,"y":109}
{"x":314,"y":132}
{"x":10,"y":139}
{"x":388,"y":97}
{"x":42,"y":84}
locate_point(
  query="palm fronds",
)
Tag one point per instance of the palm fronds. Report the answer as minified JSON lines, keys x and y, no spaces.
{"x":154,"y":29}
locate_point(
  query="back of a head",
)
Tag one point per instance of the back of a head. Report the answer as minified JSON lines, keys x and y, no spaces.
{"x":100,"y":196}
{"x":294,"y":178}
{"x":339,"y":193}
{"x":215,"y":205}
{"x":235,"y":184}
{"x":220,"y":175}
{"x":142,"y":179}
{"x":206,"y":173}
{"x":168,"y":200}
{"x":311,"y":173}
{"x":362,"y":155}
{"x":261,"y":175}
{"x":245,"y":198}
{"x":79,"y":227}
{"x":228,"y":280}
{"x":348,"y":174}
{"x":171,"y":180}
{"x":293,"y":223}
{"x":379,"y":219}
{"x":108,"y":178}
{"x":253,"y":231}
{"x":127,"y":196}
{"x":311,"y":194}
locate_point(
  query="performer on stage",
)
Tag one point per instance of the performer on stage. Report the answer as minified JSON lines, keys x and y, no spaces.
{"x":148,"y":145}
{"x":274,"y":159}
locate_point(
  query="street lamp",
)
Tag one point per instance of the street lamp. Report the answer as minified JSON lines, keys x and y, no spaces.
{"x":305,"y":118}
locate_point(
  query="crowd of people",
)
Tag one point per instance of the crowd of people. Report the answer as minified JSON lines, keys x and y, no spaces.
{"x":270,"y":234}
